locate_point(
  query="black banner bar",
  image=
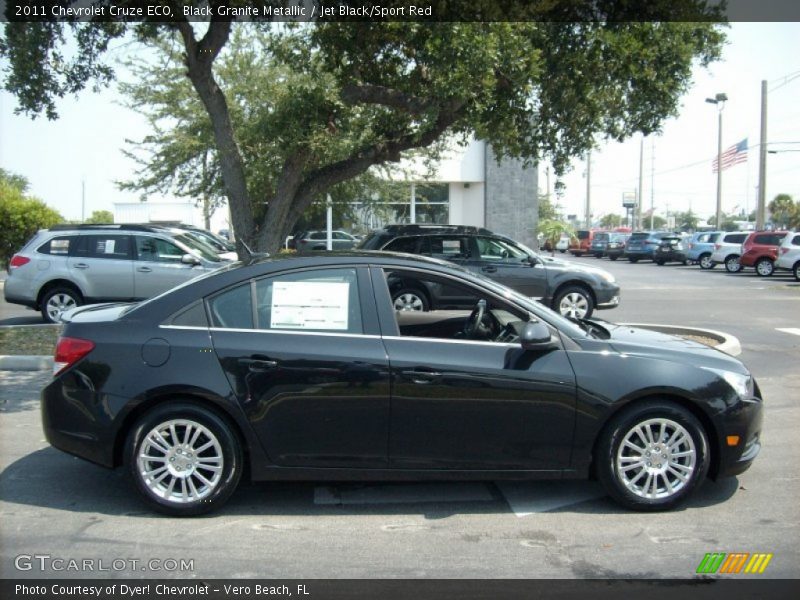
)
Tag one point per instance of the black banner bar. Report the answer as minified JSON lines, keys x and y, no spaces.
{"x":407,"y":589}
{"x":399,"y":10}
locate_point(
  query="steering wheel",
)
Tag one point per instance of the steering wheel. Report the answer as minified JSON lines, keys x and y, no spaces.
{"x":473,"y":324}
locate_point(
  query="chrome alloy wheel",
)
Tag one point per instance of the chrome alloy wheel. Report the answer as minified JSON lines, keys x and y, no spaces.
{"x":408,"y":301}
{"x":573,"y":305}
{"x":656,"y":459}
{"x":705,"y":262}
{"x":59,"y":303}
{"x":180,"y":461}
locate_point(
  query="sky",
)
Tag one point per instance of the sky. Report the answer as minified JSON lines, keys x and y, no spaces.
{"x":84,"y":146}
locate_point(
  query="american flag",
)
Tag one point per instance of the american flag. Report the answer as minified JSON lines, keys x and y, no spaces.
{"x":732,"y":156}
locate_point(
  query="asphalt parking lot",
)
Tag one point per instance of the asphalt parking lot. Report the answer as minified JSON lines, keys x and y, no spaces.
{"x":55,"y":505}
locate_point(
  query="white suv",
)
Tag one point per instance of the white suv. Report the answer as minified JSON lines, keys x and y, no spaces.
{"x":728,"y":250}
{"x":70,"y":265}
{"x":789,"y":255}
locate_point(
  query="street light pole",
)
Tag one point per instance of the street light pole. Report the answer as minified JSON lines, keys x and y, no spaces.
{"x":762,"y":161}
{"x":719,"y":100}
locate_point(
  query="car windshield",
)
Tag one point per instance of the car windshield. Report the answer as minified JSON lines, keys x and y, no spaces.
{"x":201,"y":248}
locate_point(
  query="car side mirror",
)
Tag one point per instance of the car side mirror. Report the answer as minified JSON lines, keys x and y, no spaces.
{"x":533,"y":261}
{"x":536,"y":336}
{"x":188,"y":259}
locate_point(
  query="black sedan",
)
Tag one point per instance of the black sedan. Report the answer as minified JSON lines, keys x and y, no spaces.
{"x":671,"y":249}
{"x":301,"y":368}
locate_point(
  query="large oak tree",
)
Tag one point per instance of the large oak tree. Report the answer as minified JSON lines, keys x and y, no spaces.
{"x":362,"y":94}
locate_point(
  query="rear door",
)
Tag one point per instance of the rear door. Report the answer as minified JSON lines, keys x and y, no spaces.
{"x":303,"y":356}
{"x":102,"y":265}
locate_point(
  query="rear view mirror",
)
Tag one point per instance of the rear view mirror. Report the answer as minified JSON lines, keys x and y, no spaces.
{"x":536,"y":336}
{"x":188,"y":259}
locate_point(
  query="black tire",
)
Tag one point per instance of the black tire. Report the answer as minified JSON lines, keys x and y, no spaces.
{"x":633,"y":260}
{"x":622,"y":485}
{"x":796,"y":271}
{"x":765,"y":267}
{"x":211,"y":426}
{"x":732,"y":264}
{"x":685,"y":262}
{"x":705,"y":261}
{"x":660,"y":263}
{"x":563,"y":251}
{"x":613,"y":257}
{"x":58,"y":300}
{"x":411,"y":299}
{"x":579,"y":300}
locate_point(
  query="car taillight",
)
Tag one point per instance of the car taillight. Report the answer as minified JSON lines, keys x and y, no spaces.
{"x":17,"y":261}
{"x":691,"y":246}
{"x":69,"y":351}
{"x":784,"y":250}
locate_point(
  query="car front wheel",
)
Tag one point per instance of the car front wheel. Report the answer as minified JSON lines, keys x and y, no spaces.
{"x":732,"y":264}
{"x":574,"y":302}
{"x":184,"y":459}
{"x":765,"y":267}
{"x":653,"y":457}
{"x":796,"y":271}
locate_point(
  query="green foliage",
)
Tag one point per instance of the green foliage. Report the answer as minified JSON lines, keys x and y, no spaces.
{"x":686,"y":221}
{"x":21,"y":215}
{"x":552,"y":231}
{"x":101,"y":217}
{"x":610,"y":221}
{"x":547,"y":210}
{"x":728,"y":222}
{"x":784,"y":211}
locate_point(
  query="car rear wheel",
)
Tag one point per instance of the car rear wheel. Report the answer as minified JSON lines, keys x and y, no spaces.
{"x":410,"y":299}
{"x":574,"y":302}
{"x":732,"y":264}
{"x":660,"y":263}
{"x":59,"y":300}
{"x":184,"y":459}
{"x":765,"y":267}
{"x":613,"y":257}
{"x":796,"y":271}
{"x":705,"y":262}
{"x":653,"y":456}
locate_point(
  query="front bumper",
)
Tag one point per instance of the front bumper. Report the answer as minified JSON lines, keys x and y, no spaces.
{"x":606,"y":296}
{"x":743,"y":420}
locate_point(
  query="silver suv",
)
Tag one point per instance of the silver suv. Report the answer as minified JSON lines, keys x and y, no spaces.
{"x":67,"y":266}
{"x":728,"y":250}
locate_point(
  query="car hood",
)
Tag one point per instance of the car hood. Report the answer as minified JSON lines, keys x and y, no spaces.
{"x":563,"y":265}
{"x":653,"y":344}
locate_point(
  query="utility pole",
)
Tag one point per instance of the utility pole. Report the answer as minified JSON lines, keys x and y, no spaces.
{"x":762,"y":162}
{"x":652,"y":182}
{"x":719,"y":100}
{"x":588,"y":189}
{"x":639,"y":196}
{"x":83,"y":201}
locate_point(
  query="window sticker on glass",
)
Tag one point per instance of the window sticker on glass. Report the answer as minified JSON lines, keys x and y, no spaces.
{"x":451,"y":247}
{"x":309,"y":305}
{"x":106,"y":246}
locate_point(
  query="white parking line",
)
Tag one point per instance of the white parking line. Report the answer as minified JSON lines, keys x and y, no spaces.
{"x":411,"y":493}
{"x":792,"y":330}
{"x":529,"y":497}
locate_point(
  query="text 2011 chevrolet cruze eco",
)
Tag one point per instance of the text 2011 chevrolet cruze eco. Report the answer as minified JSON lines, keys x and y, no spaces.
{"x":301,"y":368}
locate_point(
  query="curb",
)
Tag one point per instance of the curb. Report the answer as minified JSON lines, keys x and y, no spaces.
{"x":26,"y":363}
{"x":728,"y":343}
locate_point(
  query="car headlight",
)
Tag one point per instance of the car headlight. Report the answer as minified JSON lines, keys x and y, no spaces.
{"x":741,"y":384}
{"x":608,"y":277}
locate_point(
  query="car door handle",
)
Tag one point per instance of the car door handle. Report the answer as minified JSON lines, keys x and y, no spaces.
{"x":422,"y":377}
{"x":258,"y":364}
{"x":489,"y":269}
{"x":144,"y":269}
{"x":81,"y":266}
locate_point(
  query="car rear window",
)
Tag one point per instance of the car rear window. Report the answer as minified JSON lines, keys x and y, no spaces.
{"x":58,"y":246}
{"x":735,"y":238}
{"x":796,"y":240}
{"x":639,"y":236}
{"x":404,"y":244}
{"x":375,"y":241}
{"x":583,"y":235}
{"x":600,"y":237}
{"x":769,"y":239}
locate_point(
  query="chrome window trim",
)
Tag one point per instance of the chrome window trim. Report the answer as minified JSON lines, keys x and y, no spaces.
{"x":448,"y":341}
{"x":274,"y":331}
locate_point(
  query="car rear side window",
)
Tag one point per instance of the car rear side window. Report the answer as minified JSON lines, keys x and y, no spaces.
{"x":796,"y":240}
{"x":58,"y":246}
{"x":323,"y":300}
{"x":193,"y":316}
{"x":233,"y":308}
{"x":115,"y":247}
{"x":404,"y":244}
{"x":735,"y":238}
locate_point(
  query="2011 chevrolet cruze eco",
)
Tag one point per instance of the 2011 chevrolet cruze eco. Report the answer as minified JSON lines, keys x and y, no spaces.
{"x":301,"y":368}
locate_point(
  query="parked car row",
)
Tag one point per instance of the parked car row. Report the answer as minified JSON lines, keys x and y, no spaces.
{"x":763,"y":251}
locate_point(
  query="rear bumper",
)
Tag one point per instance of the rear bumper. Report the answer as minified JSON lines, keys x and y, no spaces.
{"x":640,"y":254}
{"x":16,"y":292}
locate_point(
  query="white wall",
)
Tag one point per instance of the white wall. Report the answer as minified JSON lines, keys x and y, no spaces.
{"x":461,"y":164}
{"x":466,"y":204}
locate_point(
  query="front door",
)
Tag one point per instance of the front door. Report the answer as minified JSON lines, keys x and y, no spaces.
{"x":158,"y":266}
{"x":507,"y":264}
{"x":468,"y":403}
{"x":302,"y":355}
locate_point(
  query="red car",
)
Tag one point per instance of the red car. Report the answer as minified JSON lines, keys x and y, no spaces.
{"x":760,"y":250}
